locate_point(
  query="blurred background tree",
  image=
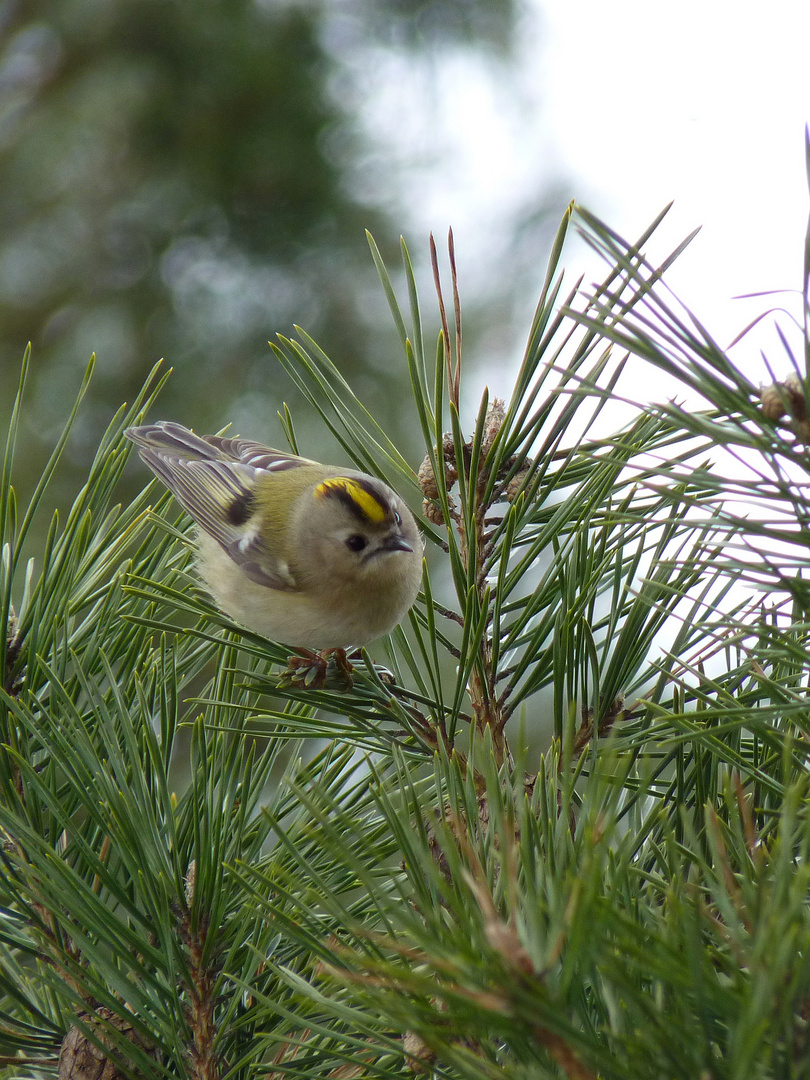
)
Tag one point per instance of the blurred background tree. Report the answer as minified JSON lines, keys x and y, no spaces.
{"x":184,"y":180}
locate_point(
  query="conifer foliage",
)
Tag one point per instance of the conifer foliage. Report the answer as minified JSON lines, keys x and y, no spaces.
{"x":557,"y":828}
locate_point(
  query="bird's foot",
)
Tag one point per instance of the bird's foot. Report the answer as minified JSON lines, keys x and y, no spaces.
{"x":329,"y":669}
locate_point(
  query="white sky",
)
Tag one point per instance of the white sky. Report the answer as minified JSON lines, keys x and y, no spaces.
{"x":635,"y":104}
{"x":715,"y":97}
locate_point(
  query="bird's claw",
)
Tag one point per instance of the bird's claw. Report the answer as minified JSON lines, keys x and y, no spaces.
{"x":329,"y":669}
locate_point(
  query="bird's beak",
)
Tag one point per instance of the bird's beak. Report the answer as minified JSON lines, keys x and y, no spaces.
{"x":395,"y":542}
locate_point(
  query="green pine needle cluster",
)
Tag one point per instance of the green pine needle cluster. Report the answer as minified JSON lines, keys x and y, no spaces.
{"x":562,"y":831}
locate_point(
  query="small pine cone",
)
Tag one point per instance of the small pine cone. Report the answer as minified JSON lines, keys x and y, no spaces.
{"x":432,"y":512}
{"x":190,"y":882}
{"x":516,"y":483}
{"x":449,"y":454}
{"x":772,"y":405}
{"x":80,"y":1059}
{"x":493,"y":422}
{"x":418,"y":1056}
{"x":796,"y":399}
{"x":788,"y":397}
{"x":12,"y":683}
{"x":427,"y":479}
{"x":798,"y":407}
{"x":504,"y":939}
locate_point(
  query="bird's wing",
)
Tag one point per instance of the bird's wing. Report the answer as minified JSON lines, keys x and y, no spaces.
{"x":214,"y":479}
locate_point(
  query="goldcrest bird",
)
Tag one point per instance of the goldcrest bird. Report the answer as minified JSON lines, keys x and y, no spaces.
{"x":310,"y":555}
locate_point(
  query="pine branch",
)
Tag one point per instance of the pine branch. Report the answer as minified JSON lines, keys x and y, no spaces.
{"x":204,"y":878}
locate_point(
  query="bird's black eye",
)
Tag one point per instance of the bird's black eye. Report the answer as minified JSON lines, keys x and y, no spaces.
{"x":397,"y":517}
{"x":356,"y":542}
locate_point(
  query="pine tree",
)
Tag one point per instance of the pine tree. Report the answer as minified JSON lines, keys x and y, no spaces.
{"x":559,"y":829}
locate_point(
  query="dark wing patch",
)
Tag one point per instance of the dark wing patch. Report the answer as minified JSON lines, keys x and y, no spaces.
{"x":205,"y":488}
{"x":240,"y":510}
{"x":219,"y":496}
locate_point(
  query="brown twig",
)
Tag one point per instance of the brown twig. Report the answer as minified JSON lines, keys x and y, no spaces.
{"x":200,"y":987}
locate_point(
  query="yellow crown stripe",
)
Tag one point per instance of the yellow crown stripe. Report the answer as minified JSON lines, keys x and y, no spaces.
{"x":360,"y":496}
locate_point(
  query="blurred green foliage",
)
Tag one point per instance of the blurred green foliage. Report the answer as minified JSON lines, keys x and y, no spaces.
{"x":176,"y":180}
